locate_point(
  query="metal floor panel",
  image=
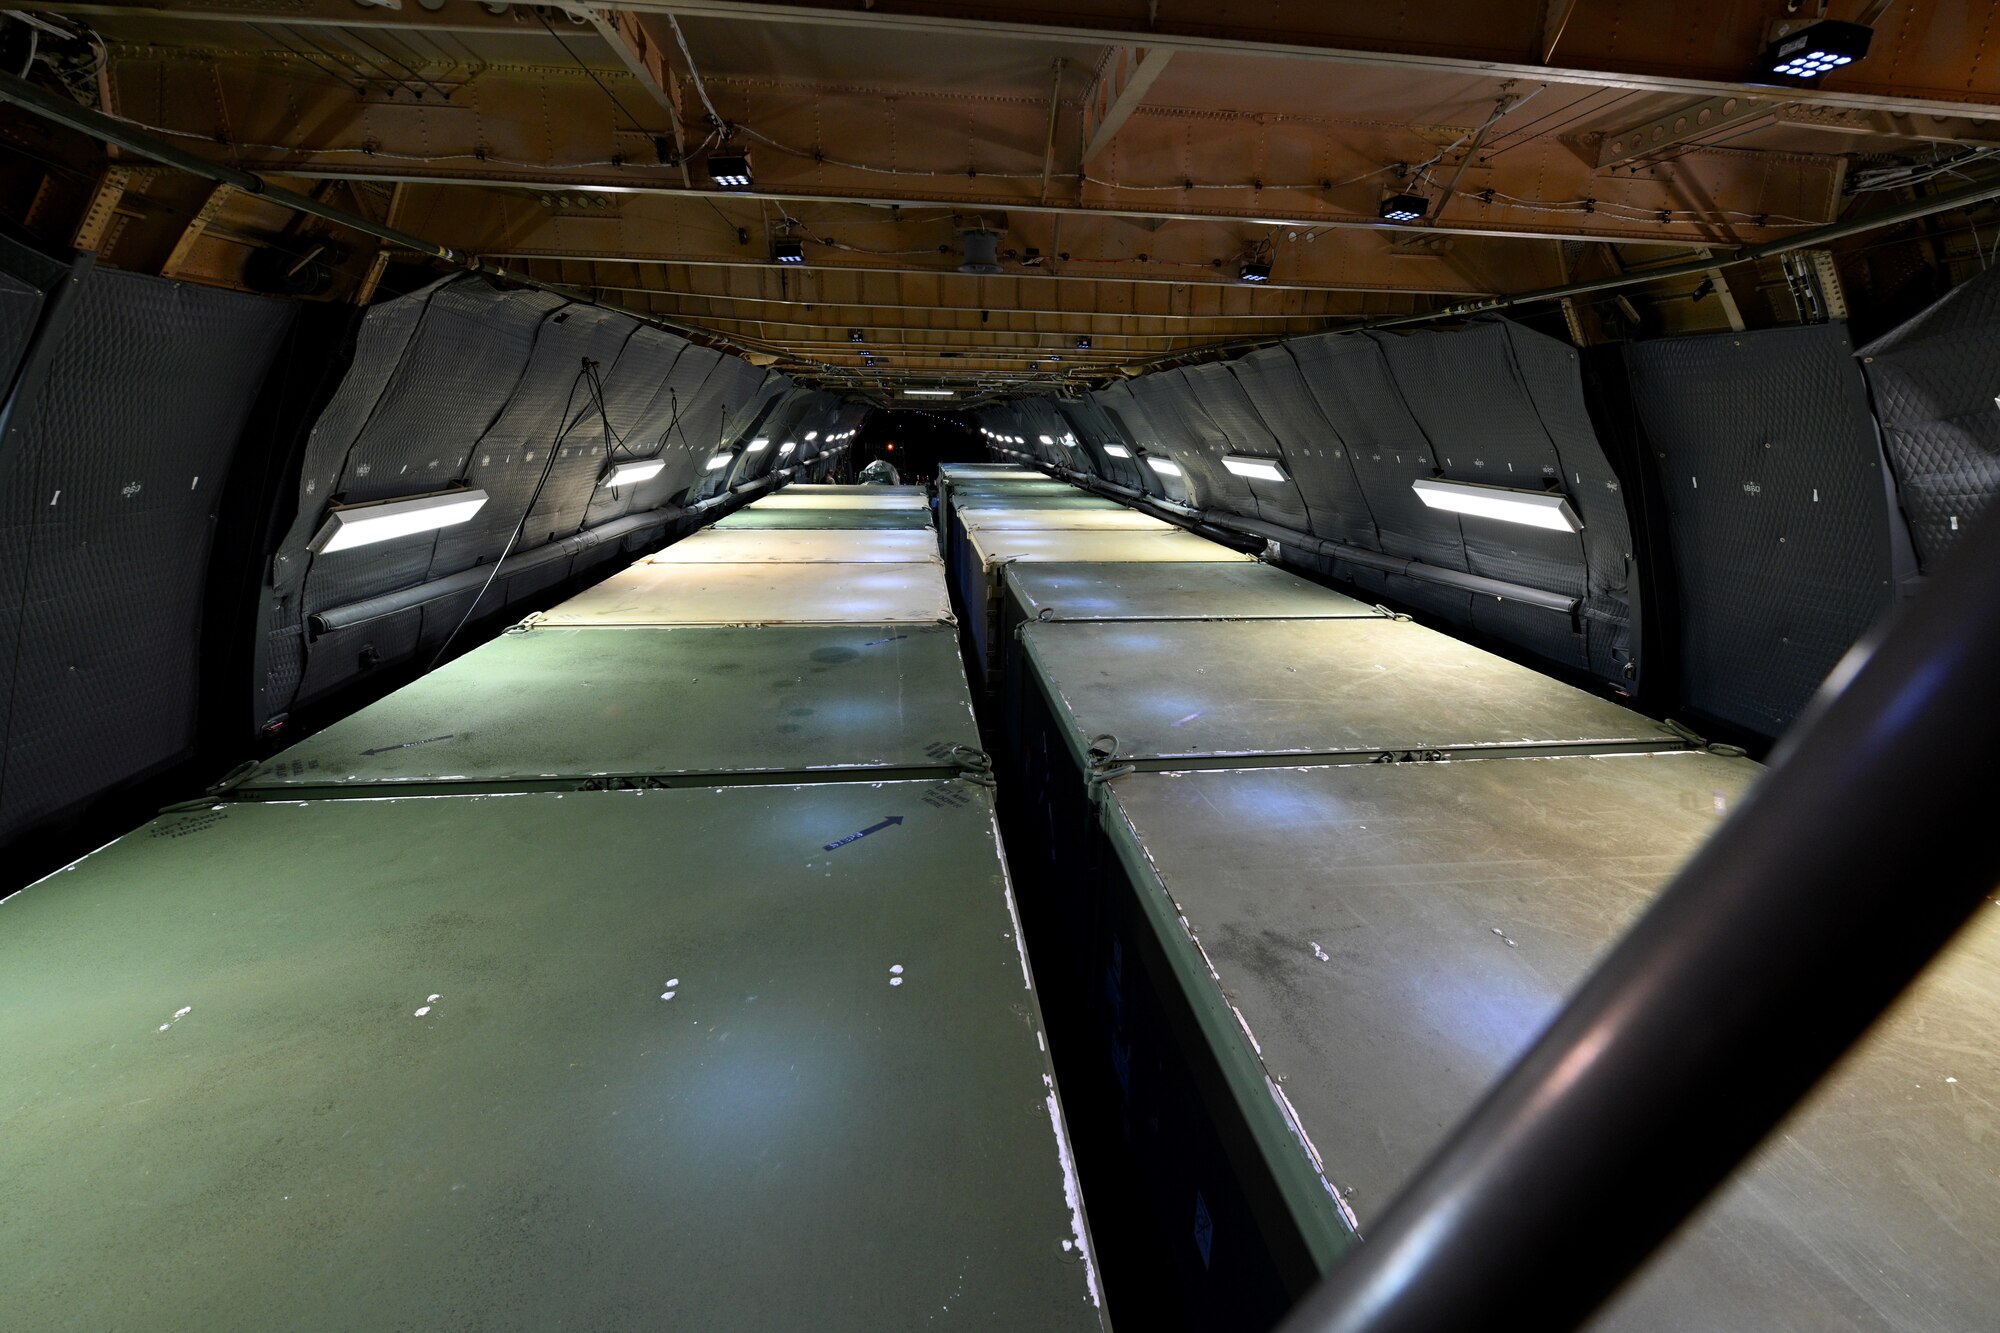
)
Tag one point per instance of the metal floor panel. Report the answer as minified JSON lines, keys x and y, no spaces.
{"x":1394,"y":935}
{"x":864,"y":497}
{"x":1093,"y":520}
{"x":832,"y":488}
{"x":962,"y":503}
{"x":596,"y":1060}
{"x":800,"y":546}
{"x":995,"y":548}
{"x":1196,"y":691}
{"x":763,"y":594}
{"x":689,"y":703}
{"x":1173,"y":592}
{"x":870,"y":520}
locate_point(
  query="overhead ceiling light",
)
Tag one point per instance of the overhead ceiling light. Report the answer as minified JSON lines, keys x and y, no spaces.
{"x":788,"y":252}
{"x":1257,"y":469}
{"x":1117,"y":451}
{"x":348,"y":526}
{"x":1254,"y":270}
{"x":1164,"y":466}
{"x":637,"y":470}
{"x":811,"y":435}
{"x":854,"y":335}
{"x":1046,"y":439}
{"x":1537,"y":509}
{"x":1816,"y":50}
{"x":930,"y":393}
{"x":982,"y":251}
{"x":730,"y":171}
{"x":785,"y":449}
{"x":1403,"y":207}
{"x":758,"y":445}
{"x":1083,"y":343}
{"x":719,"y":461}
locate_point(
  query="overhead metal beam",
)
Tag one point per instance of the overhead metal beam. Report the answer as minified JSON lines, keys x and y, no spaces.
{"x":1707,"y":45}
{"x":1687,"y":124}
{"x":551,"y":128}
{"x":1127,"y":75}
{"x":649,"y":60}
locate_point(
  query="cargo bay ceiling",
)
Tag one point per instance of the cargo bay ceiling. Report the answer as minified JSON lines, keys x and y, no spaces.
{"x":1128,"y":160}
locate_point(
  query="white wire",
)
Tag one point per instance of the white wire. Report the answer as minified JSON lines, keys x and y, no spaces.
{"x":699,"y":87}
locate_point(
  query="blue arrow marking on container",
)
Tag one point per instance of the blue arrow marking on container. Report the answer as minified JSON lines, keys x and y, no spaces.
{"x":857,"y":837}
{"x":428,"y":740}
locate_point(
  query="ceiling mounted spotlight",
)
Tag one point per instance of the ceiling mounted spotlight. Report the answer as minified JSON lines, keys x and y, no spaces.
{"x":854,"y":335}
{"x":1403,"y":207}
{"x":1254,"y":270}
{"x":1814,"y":51}
{"x":729,"y":171}
{"x":788,"y":252}
{"x":717,"y":462}
{"x":1083,"y":343}
{"x":982,"y":251}
{"x":1166,"y":467}
{"x":1117,"y":451}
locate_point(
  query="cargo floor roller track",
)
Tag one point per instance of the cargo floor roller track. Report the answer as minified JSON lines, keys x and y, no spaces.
{"x":653,"y":965}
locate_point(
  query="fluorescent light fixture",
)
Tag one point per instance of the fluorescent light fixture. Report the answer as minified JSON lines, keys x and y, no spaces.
{"x":720,"y":461}
{"x":785,"y":449}
{"x":758,"y":445}
{"x":1164,"y":466}
{"x":1403,"y":207}
{"x":1046,"y":439}
{"x":930,"y":393}
{"x":1537,"y":509}
{"x":811,"y":435}
{"x":384,"y":520}
{"x":1816,"y":50}
{"x":731,"y":171}
{"x":1117,"y":451}
{"x":637,"y":470}
{"x":1257,"y":469}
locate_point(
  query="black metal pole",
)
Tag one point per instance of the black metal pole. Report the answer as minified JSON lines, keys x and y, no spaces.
{"x":1851,"y":864}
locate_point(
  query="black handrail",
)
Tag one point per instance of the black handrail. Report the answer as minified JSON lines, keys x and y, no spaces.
{"x":1854,"y":860}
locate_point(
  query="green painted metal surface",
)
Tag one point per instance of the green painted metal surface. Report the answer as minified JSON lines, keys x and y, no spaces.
{"x":1394,"y":935}
{"x":800,"y":546}
{"x":1172,"y":592}
{"x":760,"y":594}
{"x":1093,"y":520}
{"x":867,"y":520}
{"x":993,"y":548}
{"x":682,"y":704}
{"x":597,"y":1060}
{"x":1170,"y":693}
{"x":856,"y":497}
{"x":957,"y":472}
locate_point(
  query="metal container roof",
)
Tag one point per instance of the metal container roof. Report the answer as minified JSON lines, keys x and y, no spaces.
{"x":799,"y":546}
{"x":858,"y":520}
{"x":536,"y":1060}
{"x":1385,"y":939}
{"x":1173,"y":592}
{"x":863,"y":497}
{"x":1092,"y":520}
{"x":760,"y":594}
{"x":994,"y":548}
{"x":1171,"y":692}
{"x":565,"y":706}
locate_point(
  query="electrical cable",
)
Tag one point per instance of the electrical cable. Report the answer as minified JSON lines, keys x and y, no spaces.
{"x":694,"y":72}
{"x":602,"y":86}
{"x":521,"y":525}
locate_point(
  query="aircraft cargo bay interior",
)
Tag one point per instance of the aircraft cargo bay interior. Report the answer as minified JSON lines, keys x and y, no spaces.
{"x":736,"y":664}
